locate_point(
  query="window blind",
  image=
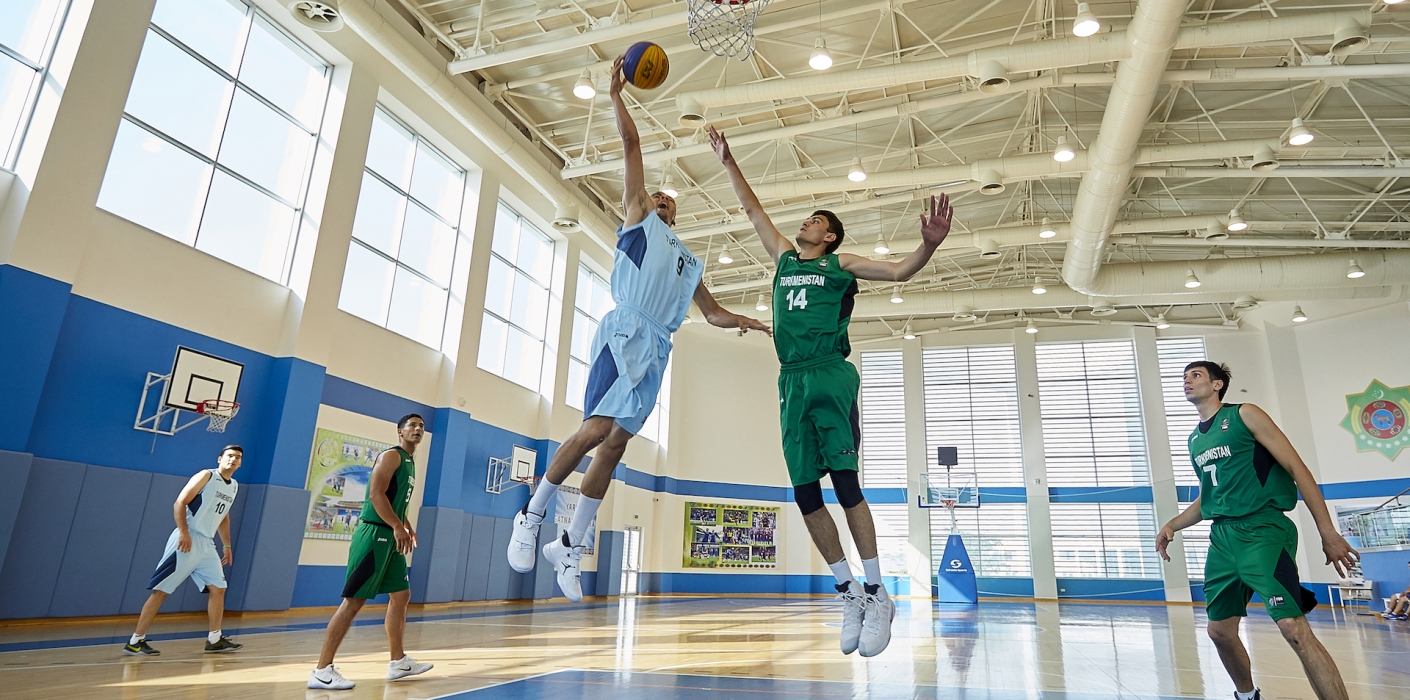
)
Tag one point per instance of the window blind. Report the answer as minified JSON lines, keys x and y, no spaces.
{"x":1091,"y":414}
{"x":883,"y":412}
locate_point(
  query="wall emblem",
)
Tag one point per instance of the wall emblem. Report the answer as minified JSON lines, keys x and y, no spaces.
{"x":1377,"y":419}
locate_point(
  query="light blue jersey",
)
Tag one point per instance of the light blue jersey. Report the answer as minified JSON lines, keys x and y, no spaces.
{"x":654,"y":278}
{"x":204,"y":514}
{"x":212,"y":505}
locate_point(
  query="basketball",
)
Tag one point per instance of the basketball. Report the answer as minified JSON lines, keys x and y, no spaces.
{"x":646,"y":65}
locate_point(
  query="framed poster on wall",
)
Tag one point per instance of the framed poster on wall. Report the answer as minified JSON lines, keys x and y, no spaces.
{"x":730,"y":536}
{"x":338,"y":474}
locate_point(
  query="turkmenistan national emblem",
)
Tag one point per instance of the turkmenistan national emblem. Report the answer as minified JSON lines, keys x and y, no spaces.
{"x":1377,"y":419}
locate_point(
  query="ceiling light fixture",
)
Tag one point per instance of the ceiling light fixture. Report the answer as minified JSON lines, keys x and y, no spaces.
{"x":1160,"y":322}
{"x":1299,"y":135}
{"x":1103,"y":308}
{"x":1245,"y":303}
{"x":1191,"y":281}
{"x":881,"y":247}
{"x":896,"y":296}
{"x":1030,"y":328}
{"x":908,"y":334}
{"x":1038,"y":287}
{"x":584,"y":89}
{"x":1263,"y":160}
{"x":725,"y":258}
{"x":856,"y":174}
{"x":1236,"y":222}
{"x":762,"y":305}
{"x":1298,"y":316}
{"x":964,"y":313}
{"x":1354,"y":271}
{"x":1046,"y":230}
{"x":821,"y":59}
{"x":1215,"y":233}
{"x":1086,"y":23}
{"x":1063,"y":153}
{"x":668,"y":187}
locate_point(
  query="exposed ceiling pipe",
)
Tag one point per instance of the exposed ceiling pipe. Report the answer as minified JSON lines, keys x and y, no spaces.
{"x":1013,"y":168}
{"x":493,"y":130}
{"x":1366,"y":171}
{"x":1052,"y":79}
{"x":1152,"y":35}
{"x":616,"y":32}
{"x":1259,"y":242}
{"x":1017,"y":58}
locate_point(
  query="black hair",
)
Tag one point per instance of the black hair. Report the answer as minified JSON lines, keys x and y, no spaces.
{"x":401,"y":424}
{"x":834,"y":225}
{"x":1217,"y":372}
{"x":237,"y":448}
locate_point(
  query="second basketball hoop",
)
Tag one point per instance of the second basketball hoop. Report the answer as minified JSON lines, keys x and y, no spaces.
{"x":724,"y":27}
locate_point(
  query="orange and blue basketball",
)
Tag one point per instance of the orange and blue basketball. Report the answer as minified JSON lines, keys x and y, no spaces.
{"x":646,"y":65}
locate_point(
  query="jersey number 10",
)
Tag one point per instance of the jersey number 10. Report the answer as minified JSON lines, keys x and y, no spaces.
{"x":798,"y":298}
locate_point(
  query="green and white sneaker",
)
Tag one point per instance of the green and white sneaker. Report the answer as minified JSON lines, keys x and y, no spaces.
{"x":223,"y":646}
{"x":141,"y":648}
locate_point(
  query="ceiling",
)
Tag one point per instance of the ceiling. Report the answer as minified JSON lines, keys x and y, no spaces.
{"x":527,"y":56}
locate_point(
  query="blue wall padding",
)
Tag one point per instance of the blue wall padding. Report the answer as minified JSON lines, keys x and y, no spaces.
{"x":101,"y":542}
{"x":458,"y":587}
{"x":1111,"y":589}
{"x":438,"y":555}
{"x":14,"y":473}
{"x":609,"y":563}
{"x":351,"y":396}
{"x":289,"y":423}
{"x":268,"y":537}
{"x":445,"y":468}
{"x":319,"y":586}
{"x":156,"y":526}
{"x":102,"y":356}
{"x":1387,"y":572}
{"x":41,"y":532}
{"x":478,"y":557}
{"x":32,"y":314}
{"x":505,"y":583}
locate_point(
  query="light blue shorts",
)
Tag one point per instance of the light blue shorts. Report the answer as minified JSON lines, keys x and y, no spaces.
{"x":201,"y":564}
{"x":629,"y":357}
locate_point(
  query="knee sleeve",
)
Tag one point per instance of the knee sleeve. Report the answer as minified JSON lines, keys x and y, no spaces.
{"x":808,"y":497}
{"x":849,"y":491}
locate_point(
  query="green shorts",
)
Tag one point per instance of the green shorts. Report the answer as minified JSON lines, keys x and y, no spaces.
{"x":818,"y":410}
{"x":374,"y":564}
{"x":1256,"y":554}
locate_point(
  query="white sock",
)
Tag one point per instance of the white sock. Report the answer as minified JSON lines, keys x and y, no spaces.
{"x":538,"y":505}
{"x":213,"y":637}
{"x":1246,"y":696}
{"x":582,"y":517}
{"x":872,"y":568}
{"x":843,"y":573}
{"x":137,"y":638}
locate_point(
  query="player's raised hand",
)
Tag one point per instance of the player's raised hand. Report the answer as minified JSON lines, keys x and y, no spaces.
{"x":721,"y":146}
{"x":935,"y":226}
{"x":1339,"y":553}
{"x":618,"y":77}
{"x":1163,"y":540}
{"x":747,"y":324}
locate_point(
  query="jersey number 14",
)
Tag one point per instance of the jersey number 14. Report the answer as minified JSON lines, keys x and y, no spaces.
{"x":797,"y":298}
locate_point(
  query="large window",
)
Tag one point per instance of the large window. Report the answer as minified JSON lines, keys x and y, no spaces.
{"x":883,"y":420}
{"x":1181,"y":416}
{"x":657,"y":425}
{"x":409,"y":262}
{"x":217,"y":139}
{"x":1091,"y":412}
{"x":29,"y":31}
{"x":592,"y":302}
{"x":995,"y":535}
{"x":1104,"y":540}
{"x":518,"y":300}
{"x":1196,"y":540}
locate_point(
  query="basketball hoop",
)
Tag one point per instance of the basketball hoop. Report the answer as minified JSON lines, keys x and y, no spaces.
{"x":948,"y":503}
{"x":219,"y":411}
{"x":724,"y":27}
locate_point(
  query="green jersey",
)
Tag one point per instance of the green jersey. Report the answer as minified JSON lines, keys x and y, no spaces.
{"x":398,"y":491}
{"x":1238,"y":477}
{"x":813,"y":302}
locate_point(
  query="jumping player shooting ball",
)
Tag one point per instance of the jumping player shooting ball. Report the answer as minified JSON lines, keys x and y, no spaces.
{"x":1249,"y":476}
{"x":813,"y":296}
{"x":654,"y":279}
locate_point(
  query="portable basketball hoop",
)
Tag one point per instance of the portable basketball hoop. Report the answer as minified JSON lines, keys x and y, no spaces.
{"x":724,"y":27}
{"x":219,"y":411}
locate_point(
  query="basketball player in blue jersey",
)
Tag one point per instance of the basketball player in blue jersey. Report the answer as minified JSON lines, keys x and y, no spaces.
{"x":201,"y":510}
{"x":654,"y":279}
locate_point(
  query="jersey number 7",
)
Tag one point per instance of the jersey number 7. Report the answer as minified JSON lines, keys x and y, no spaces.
{"x":1212,"y":470}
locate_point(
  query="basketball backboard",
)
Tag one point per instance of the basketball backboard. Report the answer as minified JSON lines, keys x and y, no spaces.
{"x":959,"y":488}
{"x":197,"y":376}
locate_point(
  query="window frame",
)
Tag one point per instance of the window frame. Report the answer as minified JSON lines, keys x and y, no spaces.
{"x":14,"y":144}
{"x":586,"y":362}
{"x":544,"y":384}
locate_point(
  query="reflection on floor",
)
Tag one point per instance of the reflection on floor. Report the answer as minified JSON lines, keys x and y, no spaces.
{"x":682,"y":648}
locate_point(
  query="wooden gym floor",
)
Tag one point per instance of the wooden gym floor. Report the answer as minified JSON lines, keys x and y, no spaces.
{"x":691,"y":647}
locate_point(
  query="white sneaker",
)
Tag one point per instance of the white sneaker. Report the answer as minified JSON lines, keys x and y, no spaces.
{"x":328,"y":678}
{"x":853,"y":607}
{"x":566,"y":559}
{"x":876,"y":622}
{"x":407,"y":666}
{"x":524,"y":540}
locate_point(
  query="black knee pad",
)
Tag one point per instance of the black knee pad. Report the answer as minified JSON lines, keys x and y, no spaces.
{"x":808,"y":497}
{"x":849,"y":491}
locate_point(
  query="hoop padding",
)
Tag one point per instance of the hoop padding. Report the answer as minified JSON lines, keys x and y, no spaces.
{"x":724,"y":27}
{"x":220,"y":412}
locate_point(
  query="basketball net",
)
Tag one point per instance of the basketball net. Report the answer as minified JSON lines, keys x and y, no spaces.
{"x":724,"y":27}
{"x":219,"y":412}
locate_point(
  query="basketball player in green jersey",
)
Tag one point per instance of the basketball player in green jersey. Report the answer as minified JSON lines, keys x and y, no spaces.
{"x":1249,"y":476}
{"x":377,"y":560}
{"x":813,"y":295}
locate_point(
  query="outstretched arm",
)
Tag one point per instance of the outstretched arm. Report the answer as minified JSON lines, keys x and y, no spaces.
{"x":636,"y":203}
{"x":1339,"y":553}
{"x":774,"y":242}
{"x":716,"y":315}
{"x":934,"y":227}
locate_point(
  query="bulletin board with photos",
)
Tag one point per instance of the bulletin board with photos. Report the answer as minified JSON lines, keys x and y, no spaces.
{"x":730,"y":536}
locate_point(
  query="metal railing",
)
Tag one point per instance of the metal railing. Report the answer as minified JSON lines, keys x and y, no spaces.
{"x":1386,"y":525}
